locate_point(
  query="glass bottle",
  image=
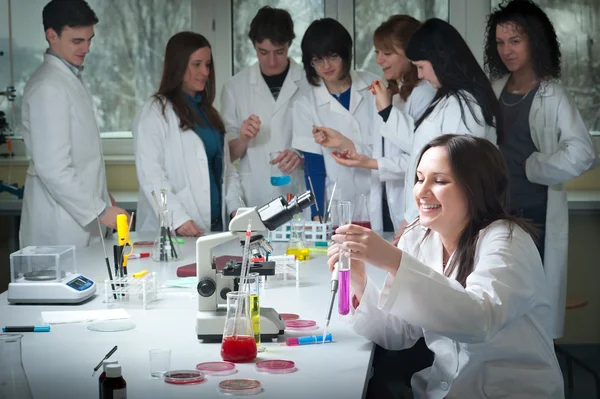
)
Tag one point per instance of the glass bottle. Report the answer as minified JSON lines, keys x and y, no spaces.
{"x":297,"y":244}
{"x":13,"y":380}
{"x":361,"y":211}
{"x":114,"y":385}
{"x":103,"y":375}
{"x":238,"y":344}
{"x":345,"y":214}
{"x":165,"y":247}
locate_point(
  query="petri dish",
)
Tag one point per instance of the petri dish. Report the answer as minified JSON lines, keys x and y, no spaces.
{"x":217,"y":368}
{"x":276,"y":366}
{"x":111,"y":326}
{"x":301,"y":325}
{"x":289,"y":316}
{"x":240,"y":387}
{"x":183,"y":377}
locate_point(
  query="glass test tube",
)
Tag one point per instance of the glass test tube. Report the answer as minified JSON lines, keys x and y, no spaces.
{"x":254,"y":291}
{"x":345,"y":217}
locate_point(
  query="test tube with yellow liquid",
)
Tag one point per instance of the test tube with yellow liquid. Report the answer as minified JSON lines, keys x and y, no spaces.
{"x":254,"y":294}
{"x":297,"y":245}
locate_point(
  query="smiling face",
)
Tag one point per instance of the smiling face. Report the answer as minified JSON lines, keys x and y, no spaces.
{"x":394,"y":64}
{"x":513,"y":47}
{"x":426,"y":72}
{"x":197,"y":72}
{"x":73,"y":44}
{"x":443,"y":206}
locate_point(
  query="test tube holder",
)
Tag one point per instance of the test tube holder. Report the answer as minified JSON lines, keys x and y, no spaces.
{"x":286,"y":268}
{"x":313,"y":231}
{"x":129,"y":289}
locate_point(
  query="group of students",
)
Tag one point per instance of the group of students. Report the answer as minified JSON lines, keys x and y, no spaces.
{"x":465,"y":268}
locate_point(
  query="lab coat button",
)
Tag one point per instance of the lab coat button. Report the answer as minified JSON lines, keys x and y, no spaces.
{"x":444,"y":385}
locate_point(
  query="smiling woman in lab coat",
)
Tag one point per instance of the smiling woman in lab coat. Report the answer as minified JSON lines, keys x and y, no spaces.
{"x":179,"y":144}
{"x":547,"y":142}
{"x":466,"y":276}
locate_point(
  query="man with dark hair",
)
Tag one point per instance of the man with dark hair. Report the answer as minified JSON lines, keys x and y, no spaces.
{"x":256,"y":108}
{"x":65,"y":188}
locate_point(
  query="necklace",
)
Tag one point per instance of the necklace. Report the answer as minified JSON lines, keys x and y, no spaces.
{"x":518,"y":101}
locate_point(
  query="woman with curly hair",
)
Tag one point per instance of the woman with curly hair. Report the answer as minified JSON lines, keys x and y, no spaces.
{"x":546,"y":141}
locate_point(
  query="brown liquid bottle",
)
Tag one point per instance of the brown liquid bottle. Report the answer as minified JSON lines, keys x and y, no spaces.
{"x":114,"y":386}
{"x":103,"y":375}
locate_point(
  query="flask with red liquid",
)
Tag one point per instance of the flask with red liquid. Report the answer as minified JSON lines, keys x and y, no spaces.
{"x":238,"y":344}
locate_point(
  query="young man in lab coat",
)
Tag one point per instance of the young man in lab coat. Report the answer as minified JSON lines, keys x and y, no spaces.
{"x":65,"y":188}
{"x":256,"y":108}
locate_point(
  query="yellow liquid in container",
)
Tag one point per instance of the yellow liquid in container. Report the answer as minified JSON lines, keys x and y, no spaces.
{"x":299,"y":253}
{"x":255,"y":317}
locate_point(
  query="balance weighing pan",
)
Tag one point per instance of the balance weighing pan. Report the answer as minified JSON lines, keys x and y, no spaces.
{"x":43,"y":275}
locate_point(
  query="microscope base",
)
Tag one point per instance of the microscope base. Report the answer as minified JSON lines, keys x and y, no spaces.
{"x":210,"y":325}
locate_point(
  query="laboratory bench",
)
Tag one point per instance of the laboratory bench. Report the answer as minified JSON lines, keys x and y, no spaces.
{"x":59,"y":363}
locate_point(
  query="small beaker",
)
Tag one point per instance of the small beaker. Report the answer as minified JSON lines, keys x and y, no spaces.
{"x":278,"y":178}
{"x":238,"y":344}
{"x":361,"y":211}
{"x":165,"y":247}
{"x":345,"y":214}
{"x":13,"y":380}
{"x":297,"y":244}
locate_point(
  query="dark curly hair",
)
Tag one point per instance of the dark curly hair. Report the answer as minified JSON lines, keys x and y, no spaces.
{"x":532,"y":22}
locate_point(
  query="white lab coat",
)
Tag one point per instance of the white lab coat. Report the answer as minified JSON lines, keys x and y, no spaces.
{"x":245,"y":94}
{"x":444,"y":119}
{"x":65,"y":187}
{"x":491,"y":339}
{"x":392,"y":167}
{"x":317,"y":107}
{"x":565,"y":151}
{"x":168,"y":158}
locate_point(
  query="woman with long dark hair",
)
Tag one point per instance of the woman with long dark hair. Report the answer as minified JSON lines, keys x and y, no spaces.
{"x":179,"y":144}
{"x":466,"y":276}
{"x":547,"y":142}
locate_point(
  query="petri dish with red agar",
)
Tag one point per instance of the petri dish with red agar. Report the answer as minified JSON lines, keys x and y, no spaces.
{"x":276,"y":366}
{"x":289,"y":316}
{"x":301,"y":325}
{"x":216,"y":368}
{"x":183,"y":377}
{"x":240,"y":387}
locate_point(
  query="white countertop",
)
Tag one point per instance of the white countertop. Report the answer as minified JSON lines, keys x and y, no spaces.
{"x":59,"y":363}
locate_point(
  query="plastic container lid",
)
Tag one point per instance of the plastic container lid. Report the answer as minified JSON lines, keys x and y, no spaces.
{"x":289,"y":316}
{"x":113,"y":370}
{"x":183,"y":377}
{"x":301,"y":325}
{"x":240,"y":387}
{"x":217,"y":368}
{"x":276,"y":366}
{"x":107,"y":362}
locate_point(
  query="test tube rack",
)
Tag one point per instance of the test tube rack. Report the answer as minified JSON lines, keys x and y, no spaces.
{"x":313,"y":232}
{"x":286,"y":268}
{"x":129,"y":289}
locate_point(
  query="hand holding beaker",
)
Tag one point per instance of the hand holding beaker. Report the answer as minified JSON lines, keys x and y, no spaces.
{"x":278,"y":177}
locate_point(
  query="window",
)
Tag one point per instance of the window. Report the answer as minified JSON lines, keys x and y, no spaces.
{"x":303,"y":12}
{"x":369,"y":14}
{"x":577,"y":25}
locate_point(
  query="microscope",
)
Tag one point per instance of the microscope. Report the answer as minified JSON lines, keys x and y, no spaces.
{"x":213,"y":284}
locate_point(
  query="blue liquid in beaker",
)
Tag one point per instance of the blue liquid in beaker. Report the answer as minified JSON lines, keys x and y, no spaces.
{"x":280,"y":180}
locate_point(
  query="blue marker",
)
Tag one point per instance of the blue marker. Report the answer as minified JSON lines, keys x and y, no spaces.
{"x":313,"y":339}
{"x":9,"y":329}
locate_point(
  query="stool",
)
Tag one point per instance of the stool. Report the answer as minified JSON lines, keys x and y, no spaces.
{"x":575,"y":303}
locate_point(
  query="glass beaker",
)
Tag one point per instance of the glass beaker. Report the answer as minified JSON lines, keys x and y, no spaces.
{"x":361,"y":211}
{"x":238,"y":344}
{"x":345,"y":215}
{"x":165,"y":247}
{"x":13,"y":380}
{"x":278,"y":178}
{"x":297,"y":244}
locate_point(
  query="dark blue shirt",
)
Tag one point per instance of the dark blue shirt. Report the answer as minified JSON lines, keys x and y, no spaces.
{"x":213,"y":144}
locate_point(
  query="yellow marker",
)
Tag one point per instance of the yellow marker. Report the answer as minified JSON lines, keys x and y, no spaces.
{"x":122,"y":229}
{"x":140,"y":274}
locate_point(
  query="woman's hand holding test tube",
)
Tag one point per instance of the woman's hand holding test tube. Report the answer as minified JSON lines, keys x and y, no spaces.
{"x":358,"y":273}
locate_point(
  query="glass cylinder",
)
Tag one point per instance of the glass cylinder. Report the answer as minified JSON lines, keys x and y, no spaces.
{"x":238,"y":344}
{"x":254,"y":296}
{"x":361,"y":211}
{"x":13,"y":380}
{"x":345,"y":215}
{"x":278,"y":178}
{"x":165,"y":247}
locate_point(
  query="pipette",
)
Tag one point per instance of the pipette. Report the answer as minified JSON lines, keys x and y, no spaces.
{"x":330,"y":201}
{"x":105,"y":255}
{"x":334,"y":288}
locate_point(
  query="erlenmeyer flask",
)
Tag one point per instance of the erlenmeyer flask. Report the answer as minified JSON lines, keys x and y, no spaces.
{"x":13,"y":381}
{"x":238,"y":344}
{"x":297,"y":243}
{"x":361,"y":211}
{"x":165,"y":246}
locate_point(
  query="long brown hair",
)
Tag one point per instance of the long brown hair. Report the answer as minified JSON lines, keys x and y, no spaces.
{"x":481,"y":173}
{"x":177,"y":55}
{"x":395,"y":32}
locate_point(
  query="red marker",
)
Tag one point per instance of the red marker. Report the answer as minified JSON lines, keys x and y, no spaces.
{"x":138,"y":256}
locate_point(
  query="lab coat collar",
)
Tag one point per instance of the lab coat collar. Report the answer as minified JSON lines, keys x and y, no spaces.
{"x":77,"y":70}
{"x":323,"y":96}
{"x":546,"y":87}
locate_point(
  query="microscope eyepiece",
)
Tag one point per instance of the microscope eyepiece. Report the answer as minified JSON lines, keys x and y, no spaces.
{"x":279,"y":211}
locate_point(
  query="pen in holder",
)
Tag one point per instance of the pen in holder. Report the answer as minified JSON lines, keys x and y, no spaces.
{"x":165,"y":247}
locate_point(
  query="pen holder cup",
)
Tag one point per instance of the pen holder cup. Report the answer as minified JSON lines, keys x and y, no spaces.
{"x":165,"y":247}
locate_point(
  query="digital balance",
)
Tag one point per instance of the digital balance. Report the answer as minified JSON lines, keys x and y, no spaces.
{"x":47,"y":274}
